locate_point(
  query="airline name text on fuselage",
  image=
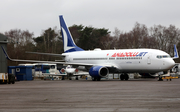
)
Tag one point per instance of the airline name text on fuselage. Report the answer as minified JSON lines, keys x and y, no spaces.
{"x":129,"y":54}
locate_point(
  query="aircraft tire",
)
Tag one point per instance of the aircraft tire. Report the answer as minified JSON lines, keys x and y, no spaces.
{"x":122,"y":76}
{"x":11,"y":78}
{"x":99,"y":78}
{"x":126,"y":77}
{"x":93,"y":79}
{"x":76,"y":78}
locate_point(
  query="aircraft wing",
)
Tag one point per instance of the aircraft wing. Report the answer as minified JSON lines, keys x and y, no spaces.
{"x":51,"y":54}
{"x":32,"y":61}
{"x":111,"y":68}
{"x":88,"y":65}
{"x":37,"y":61}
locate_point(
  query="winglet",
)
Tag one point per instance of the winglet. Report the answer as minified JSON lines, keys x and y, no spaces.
{"x":5,"y":53}
{"x":175,"y":53}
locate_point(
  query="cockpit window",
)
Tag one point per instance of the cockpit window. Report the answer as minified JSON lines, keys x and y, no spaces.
{"x":163,"y":56}
{"x":52,"y":66}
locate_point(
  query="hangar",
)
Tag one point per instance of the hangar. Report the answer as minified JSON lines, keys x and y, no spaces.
{"x":3,"y":60}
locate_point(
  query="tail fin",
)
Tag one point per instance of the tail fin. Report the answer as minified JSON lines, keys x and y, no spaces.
{"x":175,"y":53}
{"x":69,"y":45}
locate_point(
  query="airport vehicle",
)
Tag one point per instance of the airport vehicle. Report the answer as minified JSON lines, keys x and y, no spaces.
{"x":54,"y":70}
{"x":3,"y":77}
{"x":7,"y":78}
{"x":99,"y":63}
{"x":46,"y":69}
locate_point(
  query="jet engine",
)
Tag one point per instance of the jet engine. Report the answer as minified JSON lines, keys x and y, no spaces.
{"x":98,"y":71}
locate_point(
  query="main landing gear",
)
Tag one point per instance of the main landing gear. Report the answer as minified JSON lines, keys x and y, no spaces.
{"x":124,"y":76}
{"x":96,"y":78}
{"x":77,"y":78}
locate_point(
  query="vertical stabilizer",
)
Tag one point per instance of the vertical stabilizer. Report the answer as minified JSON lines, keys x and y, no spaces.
{"x":69,"y":45}
{"x":176,"y":55}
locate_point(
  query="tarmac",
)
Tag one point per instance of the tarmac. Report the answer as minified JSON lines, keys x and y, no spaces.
{"x":138,"y":95}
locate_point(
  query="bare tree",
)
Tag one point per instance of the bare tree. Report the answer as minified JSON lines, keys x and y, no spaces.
{"x":18,"y":42}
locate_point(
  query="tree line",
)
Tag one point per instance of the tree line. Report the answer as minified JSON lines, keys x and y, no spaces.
{"x":89,"y":38}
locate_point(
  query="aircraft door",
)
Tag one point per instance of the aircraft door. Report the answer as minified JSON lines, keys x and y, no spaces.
{"x":67,"y":59}
{"x":149,"y":59}
{"x":163,"y":62}
{"x":107,"y":58}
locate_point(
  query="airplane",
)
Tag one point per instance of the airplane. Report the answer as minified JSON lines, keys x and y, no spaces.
{"x":99,"y":63}
{"x":73,"y":72}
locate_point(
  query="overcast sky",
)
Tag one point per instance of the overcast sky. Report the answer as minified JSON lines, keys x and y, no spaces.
{"x":39,"y":15}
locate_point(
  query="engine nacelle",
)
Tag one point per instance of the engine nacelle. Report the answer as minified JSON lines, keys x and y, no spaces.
{"x":98,"y":71}
{"x":62,"y":70}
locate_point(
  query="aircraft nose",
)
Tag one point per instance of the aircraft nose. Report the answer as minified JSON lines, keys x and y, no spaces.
{"x":170,"y":63}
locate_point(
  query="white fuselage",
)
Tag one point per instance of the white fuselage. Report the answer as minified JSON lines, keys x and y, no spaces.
{"x":70,"y":70}
{"x":126,"y":60}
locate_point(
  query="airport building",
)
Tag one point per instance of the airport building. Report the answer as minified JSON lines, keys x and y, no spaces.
{"x":3,"y":60}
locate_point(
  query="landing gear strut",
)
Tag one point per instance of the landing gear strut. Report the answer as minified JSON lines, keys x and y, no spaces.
{"x":62,"y":78}
{"x":77,"y":78}
{"x":160,"y":78}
